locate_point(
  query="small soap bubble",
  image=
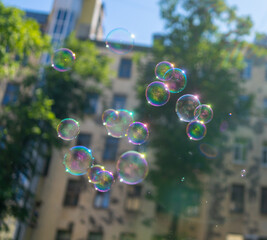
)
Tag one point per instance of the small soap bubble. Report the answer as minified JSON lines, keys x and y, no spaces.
{"x":63,"y":59}
{"x":137,"y":133}
{"x":68,"y":129}
{"x":161,"y":69}
{"x":208,"y":150}
{"x":118,"y":123}
{"x":132,"y":167}
{"x":109,"y":117}
{"x":77,"y":160}
{"x":230,"y":114}
{"x":104,"y":181}
{"x":203,"y":113}
{"x":92,"y":173}
{"x":120,"y":41}
{"x":185,"y":107}
{"x":196,"y":130}
{"x":224,"y":126}
{"x":243,"y":173}
{"x":157,"y":94}
{"x":182,"y":179}
{"x":176,"y":80}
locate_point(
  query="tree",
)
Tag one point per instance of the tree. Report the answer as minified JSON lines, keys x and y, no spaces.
{"x":206,"y":39}
{"x":29,"y":125}
{"x":19,"y":37}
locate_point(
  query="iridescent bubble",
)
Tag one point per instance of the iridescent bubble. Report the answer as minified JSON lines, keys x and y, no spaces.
{"x":118,"y":123}
{"x":161,"y":69}
{"x":120,"y":41}
{"x":137,"y":133}
{"x":185,"y":107}
{"x":77,"y":160}
{"x":243,"y":173}
{"x":203,"y":113}
{"x":92,"y":173}
{"x":224,"y":126}
{"x":196,"y":130}
{"x":132,"y":167}
{"x":63,"y":59}
{"x":104,"y":181}
{"x":109,"y":116}
{"x":208,"y":150}
{"x":176,"y":80}
{"x":157,"y":94}
{"x":68,"y":129}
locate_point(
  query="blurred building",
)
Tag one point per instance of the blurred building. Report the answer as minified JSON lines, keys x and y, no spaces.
{"x":39,"y":17}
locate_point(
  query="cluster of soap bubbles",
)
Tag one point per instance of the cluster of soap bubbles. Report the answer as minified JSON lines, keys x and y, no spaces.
{"x":188,"y":107}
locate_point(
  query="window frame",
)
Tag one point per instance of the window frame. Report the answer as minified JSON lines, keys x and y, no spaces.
{"x":110,"y":147}
{"x":103,"y":196}
{"x":125,"y":68}
{"x":235,"y":201}
{"x":89,"y":108}
{"x":69,"y":191}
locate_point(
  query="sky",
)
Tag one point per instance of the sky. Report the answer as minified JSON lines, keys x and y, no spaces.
{"x":142,"y":17}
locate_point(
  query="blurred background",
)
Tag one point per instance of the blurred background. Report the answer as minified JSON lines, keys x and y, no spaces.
{"x":214,"y":188}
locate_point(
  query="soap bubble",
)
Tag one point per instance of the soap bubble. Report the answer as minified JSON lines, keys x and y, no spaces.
{"x":77,"y":160}
{"x":196,"y":130}
{"x":176,"y":80}
{"x":185,"y":107}
{"x":92,"y":173}
{"x":208,"y":150}
{"x":132,"y":167}
{"x":109,"y":116}
{"x":243,"y":173}
{"x":161,"y":69}
{"x":104,"y":181}
{"x":63,"y":59}
{"x":68,"y":129}
{"x":157,"y":94}
{"x":137,"y":133}
{"x":120,"y":41}
{"x":203,"y":113}
{"x":118,"y":123}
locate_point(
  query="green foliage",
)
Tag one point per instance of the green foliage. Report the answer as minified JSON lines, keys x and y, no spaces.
{"x":19,"y":38}
{"x":206,"y":39}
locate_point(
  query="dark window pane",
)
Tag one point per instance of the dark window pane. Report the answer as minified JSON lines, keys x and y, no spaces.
{"x":248,"y":69}
{"x":101,"y":199}
{"x":133,"y":199}
{"x":91,"y":103}
{"x":127,"y":236}
{"x":84,"y":140}
{"x":58,"y":14}
{"x":95,"y":236}
{"x":264,"y":200}
{"x":72,"y":193}
{"x":237,"y":199}
{"x":119,"y":102}
{"x":111,"y":148}
{"x":264,"y":156}
{"x":11,"y":93}
{"x":125,"y":68}
{"x":63,"y":235}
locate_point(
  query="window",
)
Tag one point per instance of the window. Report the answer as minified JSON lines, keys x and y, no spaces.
{"x":240,"y":150}
{"x":84,"y":140}
{"x":72,"y":193}
{"x":11,"y":93}
{"x":119,"y":102}
{"x":60,"y":21}
{"x":242,"y":105}
{"x":125,"y":68}
{"x":101,"y":199}
{"x":63,"y":235}
{"x":265,"y":108}
{"x":91,"y":103}
{"x":127,"y":236}
{"x":264,"y":155}
{"x":133,"y":199}
{"x":265,"y":71}
{"x":248,"y":69}
{"x":111,"y":148}
{"x":264,"y":200}
{"x":95,"y":236}
{"x":237,"y":199}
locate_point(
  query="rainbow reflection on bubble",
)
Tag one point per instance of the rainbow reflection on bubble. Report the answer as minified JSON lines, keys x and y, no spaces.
{"x":63,"y":59}
{"x":157,"y":94}
{"x":185,"y":107}
{"x":196,"y":130}
{"x":68,"y":129}
{"x":118,"y":123}
{"x":243,"y":173}
{"x":208,"y":150}
{"x":77,"y":160}
{"x":92,"y":173}
{"x":109,"y":116}
{"x":104,"y":181}
{"x":137,"y":133}
{"x":176,"y":80}
{"x":120,"y":41}
{"x":132,"y":167}
{"x":203,"y":113}
{"x":161,"y":69}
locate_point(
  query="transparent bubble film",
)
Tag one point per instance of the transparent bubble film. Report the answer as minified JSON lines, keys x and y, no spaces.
{"x":203,"y":113}
{"x":137,"y":133}
{"x":63,"y":59}
{"x":161,"y":69}
{"x":196,"y":130}
{"x":104,"y":181}
{"x":157,"y":94}
{"x":68,"y":129}
{"x":92,"y":173}
{"x":175,"y":80}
